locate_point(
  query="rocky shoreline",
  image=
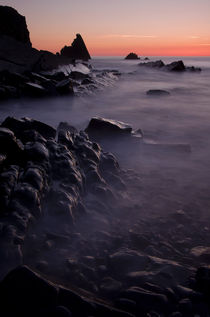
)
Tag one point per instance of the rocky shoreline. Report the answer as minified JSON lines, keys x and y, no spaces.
{"x":67,"y":215}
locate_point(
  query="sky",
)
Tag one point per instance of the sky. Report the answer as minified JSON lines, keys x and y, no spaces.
{"x":118,"y":27}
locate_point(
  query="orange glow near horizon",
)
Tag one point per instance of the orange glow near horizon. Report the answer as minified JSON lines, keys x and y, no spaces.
{"x":116,"y":28}
{"x":121,"y":46}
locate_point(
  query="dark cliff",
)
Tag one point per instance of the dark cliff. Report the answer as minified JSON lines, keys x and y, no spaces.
{"x":14,"y":25}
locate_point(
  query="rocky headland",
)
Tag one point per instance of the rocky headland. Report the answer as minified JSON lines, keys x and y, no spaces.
{"x":26,"y":71}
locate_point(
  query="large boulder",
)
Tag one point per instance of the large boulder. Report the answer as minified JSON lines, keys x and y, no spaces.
{"x":14,"y":25}
{"x":107,"y":128}
{"x":77,"y":50}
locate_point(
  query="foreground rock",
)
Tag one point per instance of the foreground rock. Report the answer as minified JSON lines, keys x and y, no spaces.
{"x":132,"y":56}
{"x":36,"y":167}
{"x":66,"y":213}
{"x":106,"y":131}
{"x":108,"y":127}
{"x":24,"y":292}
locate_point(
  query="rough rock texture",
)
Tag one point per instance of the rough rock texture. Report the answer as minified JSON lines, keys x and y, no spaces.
{"x":132,"y":56}
{"x":77,"y":50}
{"x":13,"y":24}
{"x":36,"y":167}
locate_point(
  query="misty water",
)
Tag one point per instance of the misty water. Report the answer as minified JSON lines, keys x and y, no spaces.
{"x":161,"y":181}
{"x":182,"y":117}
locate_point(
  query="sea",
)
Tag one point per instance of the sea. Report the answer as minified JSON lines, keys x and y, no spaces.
{"x":183,"y":117}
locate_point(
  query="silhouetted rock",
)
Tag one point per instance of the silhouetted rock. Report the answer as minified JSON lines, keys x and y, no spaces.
{"x":16,"y":56}
{"x":77,"y":50}
{"x":13,"y":24}
{"x":157,"y":92}
{"x":132,"y":56}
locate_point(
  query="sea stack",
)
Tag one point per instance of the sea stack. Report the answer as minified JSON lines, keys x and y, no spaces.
{"x":77,"y":50}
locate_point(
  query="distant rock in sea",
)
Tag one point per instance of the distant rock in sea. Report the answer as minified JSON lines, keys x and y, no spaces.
{"x":158,"y":92}
{"x":77,"y":50}
{"x":132,"y":56}
{"x":177,"y":66}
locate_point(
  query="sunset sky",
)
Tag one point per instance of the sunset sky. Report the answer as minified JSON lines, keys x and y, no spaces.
{"x":117,"y":27}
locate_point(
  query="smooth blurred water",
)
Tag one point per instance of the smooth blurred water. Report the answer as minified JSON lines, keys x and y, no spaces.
{"x":182,"y":117}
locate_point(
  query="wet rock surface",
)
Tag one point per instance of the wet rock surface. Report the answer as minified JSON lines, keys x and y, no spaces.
{"x":73,"y":217}
{"x":41,"y":82}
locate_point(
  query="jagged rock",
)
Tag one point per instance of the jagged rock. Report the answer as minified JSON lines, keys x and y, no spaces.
{"x":132,"y":56}
{"x":77,"y":50}
{"x":13,"y":24}
{"x":157,"y":92}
